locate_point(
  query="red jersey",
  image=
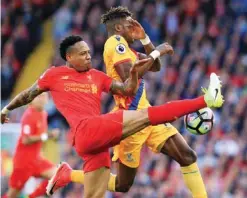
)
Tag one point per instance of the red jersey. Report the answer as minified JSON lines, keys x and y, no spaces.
{"x":76,"y":95}
{"x":33,"y":122}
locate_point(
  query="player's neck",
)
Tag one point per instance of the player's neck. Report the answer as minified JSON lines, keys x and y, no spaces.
{"x":113,"y":33}
{"x":72,"y":67}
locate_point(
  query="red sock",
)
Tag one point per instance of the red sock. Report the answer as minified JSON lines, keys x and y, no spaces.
{"x":40,"y":190}
{"x":5,"y":196}
{"x":171,"y":111}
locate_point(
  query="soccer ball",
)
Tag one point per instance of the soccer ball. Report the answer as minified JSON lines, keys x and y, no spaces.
{"x":199,"y":122}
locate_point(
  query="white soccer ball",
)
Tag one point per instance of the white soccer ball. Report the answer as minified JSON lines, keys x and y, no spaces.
{"x":200,"y":122}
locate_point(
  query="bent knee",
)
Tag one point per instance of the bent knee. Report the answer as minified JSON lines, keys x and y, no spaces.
{"x":189,"y":157}
{"x":123,"y":187}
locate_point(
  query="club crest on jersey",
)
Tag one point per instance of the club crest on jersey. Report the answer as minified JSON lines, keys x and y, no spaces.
{"x":89,"y":77}
{"x":129,"y":157}
{"x":94,"y":89}
{"x":121,"y":49}
{"x":65,"y":77}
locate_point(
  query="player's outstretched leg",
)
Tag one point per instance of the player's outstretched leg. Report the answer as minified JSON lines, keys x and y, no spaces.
{"x":134,"y":121}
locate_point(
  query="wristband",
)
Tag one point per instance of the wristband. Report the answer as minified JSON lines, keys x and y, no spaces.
{"x":145,"y":41}
{"x":155,"y":54}
{"x":44,"y":137}
{"x":5,"y":110}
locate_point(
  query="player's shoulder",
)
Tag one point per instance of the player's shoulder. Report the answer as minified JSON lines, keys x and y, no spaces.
{"x":96,"y":72}
{"x":55,"y":70}
{"x":49,"y":71}
{"x":115,"y":40}
{"x":28,"y":115}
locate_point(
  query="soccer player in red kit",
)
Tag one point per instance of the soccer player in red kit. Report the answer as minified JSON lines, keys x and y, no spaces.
{"x":27,"y":160}
{"x":76,"y":90}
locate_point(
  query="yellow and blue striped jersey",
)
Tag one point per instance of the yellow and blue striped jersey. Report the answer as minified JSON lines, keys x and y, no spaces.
{"x":117,"y":50}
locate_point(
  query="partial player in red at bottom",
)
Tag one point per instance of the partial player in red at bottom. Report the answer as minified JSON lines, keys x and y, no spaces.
{"x":27,"y":161}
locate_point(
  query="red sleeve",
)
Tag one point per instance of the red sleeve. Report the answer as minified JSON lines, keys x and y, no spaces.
{"x":107,"y":84}
{"x":45,"y":80}
{"x":106,"y":81}
{"x":28,"y":126}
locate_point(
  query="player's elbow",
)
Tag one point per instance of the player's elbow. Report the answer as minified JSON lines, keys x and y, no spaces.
{"x":156,"y":67}
{"x":25,"y":141}
{"x":124,"y":187}
{"x":131,"y":92}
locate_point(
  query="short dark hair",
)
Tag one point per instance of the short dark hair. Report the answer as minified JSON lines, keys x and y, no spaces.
{"x":115,"y":13}
{"x":66,"y":43}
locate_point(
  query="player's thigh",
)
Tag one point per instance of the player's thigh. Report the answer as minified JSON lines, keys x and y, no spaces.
{"x":19,"y":177}
{"x":134,"y":121}
{"x":44,"y":168}
{"x":99,"y":133}
{"x":95,"y":183}
{"x":129,"y":149}
{"x":13,"y":193}
{"x":159,"y":135}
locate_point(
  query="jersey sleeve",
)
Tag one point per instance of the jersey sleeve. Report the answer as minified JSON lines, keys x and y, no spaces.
{"x":117,"y":50}
{"x":106,"y":81}
{"x":45,"y":80}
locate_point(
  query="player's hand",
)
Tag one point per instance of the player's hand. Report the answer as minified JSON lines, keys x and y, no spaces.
{"x":165,"y":48}
{"x":137,"y":32}
{"x":54,"y":134}
{"x":4,"y":118}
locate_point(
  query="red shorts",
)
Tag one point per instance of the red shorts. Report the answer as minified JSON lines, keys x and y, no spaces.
{"x":95,"y":135}
{"x":21,"y":173}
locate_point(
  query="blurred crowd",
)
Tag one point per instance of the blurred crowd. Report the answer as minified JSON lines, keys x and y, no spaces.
{"x":207,"y":36}
{"x":21,"y":30}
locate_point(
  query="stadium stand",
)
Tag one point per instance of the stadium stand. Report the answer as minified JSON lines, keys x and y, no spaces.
{"x":207,"y":36}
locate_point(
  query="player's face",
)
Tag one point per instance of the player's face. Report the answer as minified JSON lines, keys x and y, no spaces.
{"x":126,"y":30}
{"x":40,"y":101}
{"x":80,"y":57}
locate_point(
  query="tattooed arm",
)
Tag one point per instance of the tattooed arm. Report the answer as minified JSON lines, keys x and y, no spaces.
{"x":21,"y":99}
{"x":130,"y":85}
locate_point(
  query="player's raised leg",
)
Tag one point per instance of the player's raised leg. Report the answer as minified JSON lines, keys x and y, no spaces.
{"x":169,"y":112}
{"x":177,"y":148}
